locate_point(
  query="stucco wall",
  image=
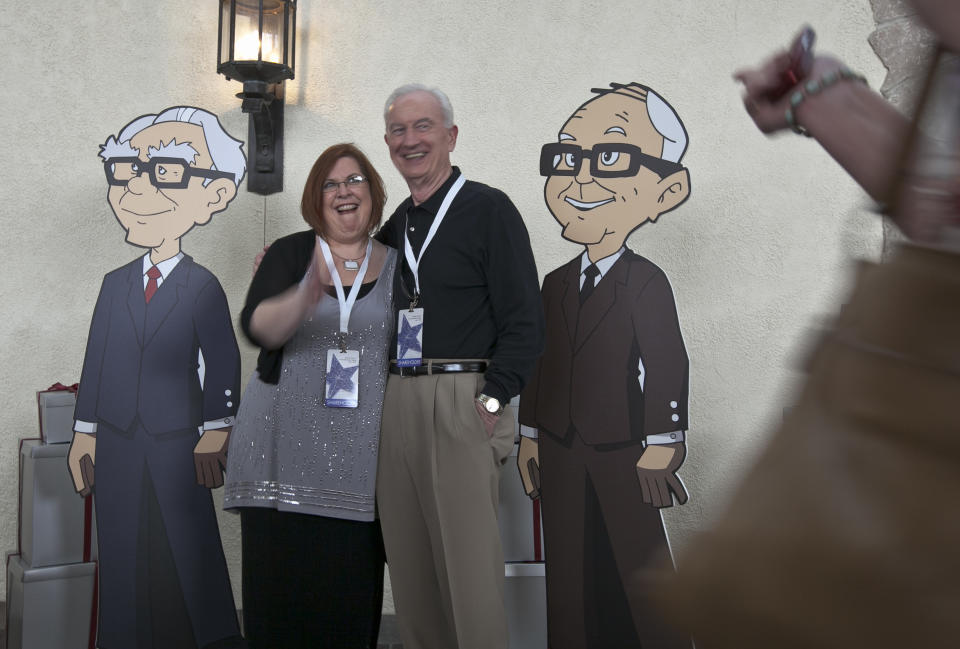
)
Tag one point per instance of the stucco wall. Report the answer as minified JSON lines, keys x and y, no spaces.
{"x":903,"y":47}
{"x":759,"y":254}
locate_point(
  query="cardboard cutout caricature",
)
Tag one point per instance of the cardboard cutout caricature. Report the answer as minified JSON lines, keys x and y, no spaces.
{"x":141,"y":405}
{"x":608,"y":399}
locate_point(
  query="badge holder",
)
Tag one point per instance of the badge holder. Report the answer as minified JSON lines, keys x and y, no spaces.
{"x":342,"y":387}
{"x":410,"y":321}
{"x":410,"y":335}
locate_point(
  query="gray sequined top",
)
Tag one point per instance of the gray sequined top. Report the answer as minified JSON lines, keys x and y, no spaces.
{"x":290,"y":452}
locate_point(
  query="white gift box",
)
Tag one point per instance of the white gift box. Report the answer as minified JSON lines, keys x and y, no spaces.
{"x":53,"y":517}
{"x":525,"y":598}
{"x":49,"y":607}
{"x":56,"y":415}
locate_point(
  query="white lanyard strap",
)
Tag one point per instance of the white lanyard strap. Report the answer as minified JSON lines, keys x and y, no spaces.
{"x":414,"y":262}
{"x":346,"y":303}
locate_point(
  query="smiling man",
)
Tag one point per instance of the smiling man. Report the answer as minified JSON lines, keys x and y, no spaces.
{"x":142,"y":405}
{"x":605,"y":414}
{"x":470,"y":328}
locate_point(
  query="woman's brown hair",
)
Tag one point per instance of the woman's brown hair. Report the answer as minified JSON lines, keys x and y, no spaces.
{"x":311,"y":205}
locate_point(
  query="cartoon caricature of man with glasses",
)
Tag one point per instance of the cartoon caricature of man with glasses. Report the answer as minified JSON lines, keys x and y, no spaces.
{"x":163,"y":177}
{"x":151,"y":433}
{"x":605,"y":415}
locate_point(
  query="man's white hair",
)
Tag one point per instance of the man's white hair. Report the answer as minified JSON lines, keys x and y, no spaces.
{"x":225,"y":151}
{"x":406,"y":89}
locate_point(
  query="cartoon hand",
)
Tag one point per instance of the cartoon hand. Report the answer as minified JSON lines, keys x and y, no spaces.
{"x":80,"y":460}
{"x":767,"y":114}
{"x":528,"y":463}
{"x":210,"y":457}
{"x":489,"y":419}
{"x":259,"y":258}
{"x":656,"y":471}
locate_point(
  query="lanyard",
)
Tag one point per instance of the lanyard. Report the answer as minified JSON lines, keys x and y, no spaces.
{"x":414,"y":263}
{"x":346,"y":303}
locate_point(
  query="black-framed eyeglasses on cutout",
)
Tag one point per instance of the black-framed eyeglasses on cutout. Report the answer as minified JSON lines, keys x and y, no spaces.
{"x":351,"y":181}
{"x":607,"y":160}
{"x":169,"y":173}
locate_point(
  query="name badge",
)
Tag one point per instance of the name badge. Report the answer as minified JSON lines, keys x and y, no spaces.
{"x":343,"y":379}
{"x":410,"y":337}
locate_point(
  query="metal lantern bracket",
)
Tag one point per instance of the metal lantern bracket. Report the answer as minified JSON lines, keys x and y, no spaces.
{"x":257,"y":46}
{"x":264,"y":103}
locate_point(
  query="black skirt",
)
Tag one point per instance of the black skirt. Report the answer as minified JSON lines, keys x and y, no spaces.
{"x":310,"y":581}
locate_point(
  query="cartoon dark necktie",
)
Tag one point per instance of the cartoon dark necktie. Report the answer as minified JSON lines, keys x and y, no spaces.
{"x":590,"y":272}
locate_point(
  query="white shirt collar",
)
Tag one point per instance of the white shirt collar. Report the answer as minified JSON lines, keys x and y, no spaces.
{"x":165,"y":267}
{"x":603,"y":265}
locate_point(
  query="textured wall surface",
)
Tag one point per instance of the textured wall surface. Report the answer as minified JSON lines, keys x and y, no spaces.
{"x":761,"y":252}
{"x":903,"y":47}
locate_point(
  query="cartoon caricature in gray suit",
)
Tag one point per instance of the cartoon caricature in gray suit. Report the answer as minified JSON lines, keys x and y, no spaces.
{"x":141,"y":406}
{"x":607,"y":405}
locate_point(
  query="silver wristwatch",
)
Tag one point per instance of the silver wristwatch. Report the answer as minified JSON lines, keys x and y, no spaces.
{"x":490,"y":404}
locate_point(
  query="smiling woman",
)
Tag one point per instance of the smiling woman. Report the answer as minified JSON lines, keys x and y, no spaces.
{"x":303,"y":455}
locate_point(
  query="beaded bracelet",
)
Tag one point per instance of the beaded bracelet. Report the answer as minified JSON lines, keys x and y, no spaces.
{"x":813,"y":87}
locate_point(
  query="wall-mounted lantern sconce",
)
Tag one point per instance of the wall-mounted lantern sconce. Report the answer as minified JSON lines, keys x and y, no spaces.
{"x":257,"y":46}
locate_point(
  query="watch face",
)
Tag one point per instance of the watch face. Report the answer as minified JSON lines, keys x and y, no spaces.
{"x":492,"y":405}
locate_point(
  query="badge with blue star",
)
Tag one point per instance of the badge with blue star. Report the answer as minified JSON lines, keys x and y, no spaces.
{"x":343,"y":374}
{"x":410,"y":338}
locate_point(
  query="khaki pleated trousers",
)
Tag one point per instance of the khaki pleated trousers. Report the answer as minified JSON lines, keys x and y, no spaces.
{"x":437,"y":494}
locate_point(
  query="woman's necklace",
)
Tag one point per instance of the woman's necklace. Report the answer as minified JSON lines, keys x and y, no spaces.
{"x":349,"y":264}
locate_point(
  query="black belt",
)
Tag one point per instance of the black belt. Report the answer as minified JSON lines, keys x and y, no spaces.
{"x":439,"y":368}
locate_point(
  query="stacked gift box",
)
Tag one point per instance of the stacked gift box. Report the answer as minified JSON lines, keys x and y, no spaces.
{"x":525,"y":594}
{"x":51,"y":578}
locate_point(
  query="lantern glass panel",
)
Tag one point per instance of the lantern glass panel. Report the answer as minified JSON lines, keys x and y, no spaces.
{"x":224,"y":31}
{"x":291,"y":29}
{"x":249,"y":45}
{"x":274,"y":23}
{"x":246,"y":36}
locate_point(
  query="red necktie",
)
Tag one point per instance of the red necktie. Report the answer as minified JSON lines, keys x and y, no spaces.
{"x":154,"y":274}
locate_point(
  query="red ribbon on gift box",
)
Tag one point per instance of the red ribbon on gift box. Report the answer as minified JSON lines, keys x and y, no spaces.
{"x":60,"y":387}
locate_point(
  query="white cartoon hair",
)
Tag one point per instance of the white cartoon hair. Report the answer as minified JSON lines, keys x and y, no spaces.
{"x":668,"y":124}
{"x":225,"y":150}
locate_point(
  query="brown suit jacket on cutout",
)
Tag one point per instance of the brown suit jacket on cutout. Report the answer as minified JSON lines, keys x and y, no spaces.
{"x":615,"y":369}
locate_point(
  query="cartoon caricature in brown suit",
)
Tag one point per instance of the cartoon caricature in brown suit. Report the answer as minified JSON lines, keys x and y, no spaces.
{"x":608,"y":400}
